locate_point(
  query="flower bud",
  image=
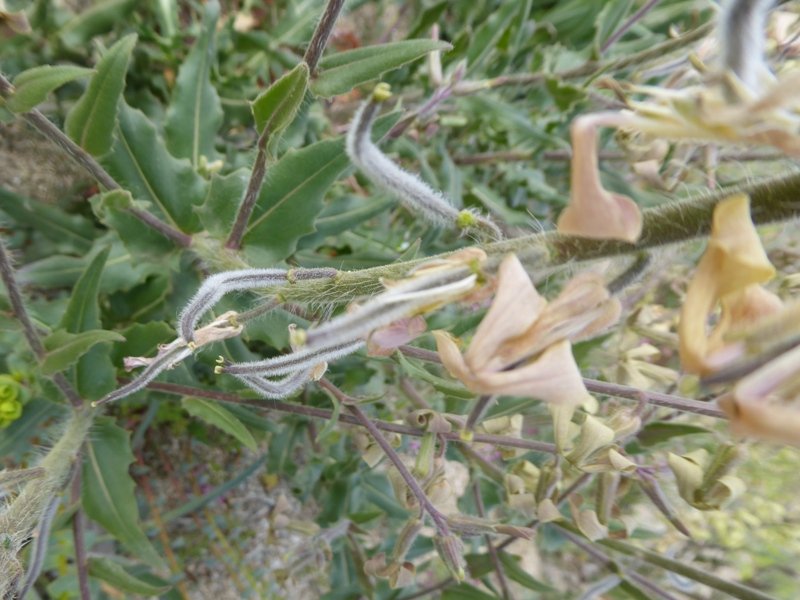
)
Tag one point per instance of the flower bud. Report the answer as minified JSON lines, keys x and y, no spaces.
{"x":451,"y":551}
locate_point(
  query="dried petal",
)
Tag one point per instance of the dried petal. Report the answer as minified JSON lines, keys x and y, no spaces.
{"x":733,"y":261}
{"x":594,"y":212}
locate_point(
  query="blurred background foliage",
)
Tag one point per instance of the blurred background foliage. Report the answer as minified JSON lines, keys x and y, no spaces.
{"x":266,"y":521}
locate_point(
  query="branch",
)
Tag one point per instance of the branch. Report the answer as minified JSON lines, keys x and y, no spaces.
{"x":634,"y":18}
{"x":439,"y":520}
{"x":771,"y":200}
{"x":78,"y":527}
{"x":21,"y":314}
{"x":43,"y":125}
{"x":322,"y":413}
{"x":257,"y":175}
{"x":321,"y":34}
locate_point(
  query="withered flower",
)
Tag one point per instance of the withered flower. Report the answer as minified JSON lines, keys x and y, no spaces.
{"x":523,"y":345}
{"x":729,"y":274}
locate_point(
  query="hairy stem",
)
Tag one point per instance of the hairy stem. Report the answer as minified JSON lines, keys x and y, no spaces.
{"x":257,"y":175}
{"x":321,"y":34}
{"x":771,"y":200}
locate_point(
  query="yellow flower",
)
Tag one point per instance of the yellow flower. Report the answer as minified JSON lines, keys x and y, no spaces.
{"x":729,"y":274}
{"x":522,"y":346}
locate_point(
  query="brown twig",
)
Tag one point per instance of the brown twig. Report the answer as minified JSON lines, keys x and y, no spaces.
{"x":259,"y":171}
{"x":623,"y":29}
{"x":321,"y":34}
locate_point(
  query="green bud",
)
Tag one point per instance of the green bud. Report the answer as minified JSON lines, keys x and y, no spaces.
{"x":451,"y":551}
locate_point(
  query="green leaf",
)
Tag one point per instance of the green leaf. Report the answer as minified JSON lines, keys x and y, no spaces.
{"x":341,"y":72}
{"x":83,"y":312}
{"x":609,"y":20}
{"x":94,"y":373}
{"x":275,"y":108}
{"x":108,"y":491}
{"x":287,"y":208}
{"x":218,"y":416}
{"x":140,"y":240}
{"x":446,"y":386}
{"x":481,"y":565}
{"x":195,"y":113}
{"x":486,"y":37}
{"x":33,"y":85}
{"x":139,"y":161}
{"x":64,"y":349}
{"x":654,"y":433}
{"x":465,"y":591}
{"x":98,"y":19}
{"x":70,"y":233}
{"x":90,"y":123}
{"x":225,"y":193}
{"x":17,"y":437}
{"x":122,"y":271}
{"x":114,"y":574}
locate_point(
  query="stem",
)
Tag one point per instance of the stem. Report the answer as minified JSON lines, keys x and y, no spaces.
{"x":477,"y":412}
{"x":425,"y":504}
{"x":257,"y":175}
{"x":43,"y":125}
{"x":771,"y":200}
{"x":591,"y":68}
{"x":737,"y":590}
{"x":78,"y":527}
{"x":609,"y":389}
{"x":21,"y":314}
{"x":498,"y":566}
{"x":634,"y":18}
{"x":323,"y":413}
{"x":666,"y":400}
{"x":321,"y":34}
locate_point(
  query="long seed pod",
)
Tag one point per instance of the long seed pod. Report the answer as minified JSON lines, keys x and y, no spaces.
{"x":415,"y":194}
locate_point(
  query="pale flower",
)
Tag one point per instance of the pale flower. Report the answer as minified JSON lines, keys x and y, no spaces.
{"x":523,"y":345}
{"x":729,"y":274}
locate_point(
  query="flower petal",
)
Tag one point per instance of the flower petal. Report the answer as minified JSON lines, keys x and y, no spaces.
{"x":733,"y":261}
{"x":594,"y":212}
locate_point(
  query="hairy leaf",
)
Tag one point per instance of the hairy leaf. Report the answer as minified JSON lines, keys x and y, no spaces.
{"x":276,"y":107}
{"x":64,"y":349}
{"x":97,"y":19}
{"x":32,"y":86}
{"x":94,"y":373}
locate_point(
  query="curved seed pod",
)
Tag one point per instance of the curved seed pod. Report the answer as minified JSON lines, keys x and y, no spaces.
{"x":415,"y":194}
